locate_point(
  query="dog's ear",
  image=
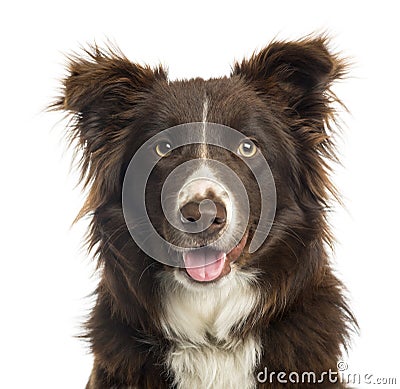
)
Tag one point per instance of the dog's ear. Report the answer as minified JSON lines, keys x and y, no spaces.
{"x":294,"y":78}
{"x":296,"y":74}
{"x":102,"y":91}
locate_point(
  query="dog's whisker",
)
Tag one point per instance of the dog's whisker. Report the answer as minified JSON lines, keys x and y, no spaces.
{"x":144,"y":270}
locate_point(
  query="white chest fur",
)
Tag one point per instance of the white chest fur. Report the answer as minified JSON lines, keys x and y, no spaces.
{"x":198,"y":320}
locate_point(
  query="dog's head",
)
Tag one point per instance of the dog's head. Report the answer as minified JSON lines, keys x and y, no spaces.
{"x":215,"y":138}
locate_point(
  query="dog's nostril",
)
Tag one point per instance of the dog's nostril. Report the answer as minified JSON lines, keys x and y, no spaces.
{"x":219,"y":220}
{"x":185,"y":220}
{"x":190,"y":212}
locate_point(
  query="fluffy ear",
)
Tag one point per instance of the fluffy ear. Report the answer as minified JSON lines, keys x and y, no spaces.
{"x":101,"y":92}
{"x":297,"y":74}
{"x":295,"y":78}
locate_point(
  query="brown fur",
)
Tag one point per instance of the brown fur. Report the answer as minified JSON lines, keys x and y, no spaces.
{"x":302,"y":317}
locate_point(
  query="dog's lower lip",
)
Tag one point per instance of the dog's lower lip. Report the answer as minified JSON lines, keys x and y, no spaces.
{"x":229,"y":258}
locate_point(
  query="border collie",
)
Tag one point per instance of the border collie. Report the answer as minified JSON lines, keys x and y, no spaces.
{"x":183,"y":177}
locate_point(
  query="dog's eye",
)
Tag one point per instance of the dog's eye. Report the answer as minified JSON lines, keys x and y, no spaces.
{"x":247,"y":148}
{"x":163,"y":148}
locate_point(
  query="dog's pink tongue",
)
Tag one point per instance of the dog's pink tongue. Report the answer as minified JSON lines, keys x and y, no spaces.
{"x":204,"y":264}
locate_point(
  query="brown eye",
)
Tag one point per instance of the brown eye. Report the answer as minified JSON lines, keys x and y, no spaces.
{"x":247,"y":149}
{"x":163,"y":148}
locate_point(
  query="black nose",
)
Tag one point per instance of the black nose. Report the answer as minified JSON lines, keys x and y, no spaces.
{"x":212,"y":216}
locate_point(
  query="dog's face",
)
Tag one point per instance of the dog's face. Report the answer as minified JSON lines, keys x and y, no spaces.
{"x":278,"y":101}
{"x":213,"y":221}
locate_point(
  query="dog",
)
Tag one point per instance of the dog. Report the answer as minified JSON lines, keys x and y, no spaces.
{"x":210,"y":311}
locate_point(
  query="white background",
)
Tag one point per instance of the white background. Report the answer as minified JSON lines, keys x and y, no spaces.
{"x":45,"y":275}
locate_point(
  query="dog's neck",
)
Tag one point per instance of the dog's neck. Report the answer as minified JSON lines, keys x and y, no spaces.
{"x":199,"y":320}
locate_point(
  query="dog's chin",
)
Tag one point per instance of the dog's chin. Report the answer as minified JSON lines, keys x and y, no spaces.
{"x":209,"y":266}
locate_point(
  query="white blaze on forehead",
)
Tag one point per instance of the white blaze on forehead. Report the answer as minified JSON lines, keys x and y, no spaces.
{"x":203,"y":146}
{"x":205,"y":110}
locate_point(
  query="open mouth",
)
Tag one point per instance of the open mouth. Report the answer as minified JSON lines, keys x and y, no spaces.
{"x":207,"y":264}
